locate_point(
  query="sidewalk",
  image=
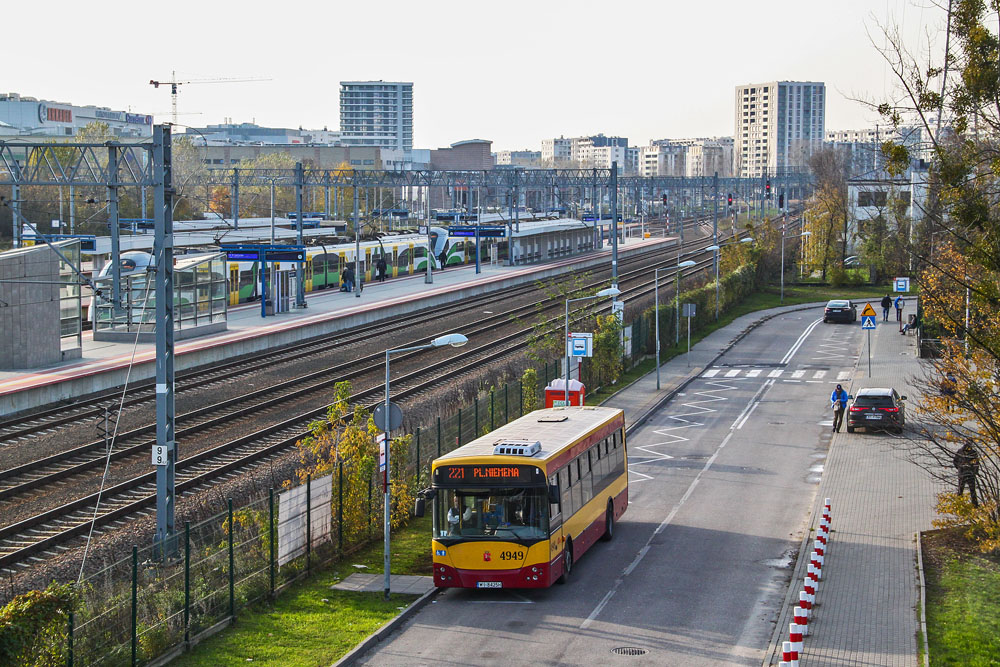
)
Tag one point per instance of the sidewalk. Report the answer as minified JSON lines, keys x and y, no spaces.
{"x":868,"y":597}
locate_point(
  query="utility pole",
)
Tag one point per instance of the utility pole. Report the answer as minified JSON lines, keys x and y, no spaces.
{"x":116,"y":266}
{"x":614,"y":224}
{"x":163,"y":252}
{"x":715,"y":236}
{"x":300,"y":282}
{"x":15,"y":205}
{"x":235,"y":198}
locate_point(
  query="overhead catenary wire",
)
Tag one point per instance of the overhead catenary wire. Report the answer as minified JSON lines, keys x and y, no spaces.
{"x":111,"y":446}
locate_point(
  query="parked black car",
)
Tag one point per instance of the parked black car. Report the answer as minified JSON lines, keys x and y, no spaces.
{"x":876,"y":408}
{"x":840,"y":310}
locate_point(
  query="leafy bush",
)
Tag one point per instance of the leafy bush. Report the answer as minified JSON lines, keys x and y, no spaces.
{"x":33,"y":626}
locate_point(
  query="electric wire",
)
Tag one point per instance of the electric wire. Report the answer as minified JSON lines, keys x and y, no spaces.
{"x":111,"y":446}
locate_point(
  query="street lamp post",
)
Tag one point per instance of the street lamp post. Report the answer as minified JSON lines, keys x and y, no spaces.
{"x":455,"y":340}
{"x":716,"y":249}
{"x":273,"y":179}
{"x":610,"y":291}
{"x":677,"y":307}
{"x":782,"y":300}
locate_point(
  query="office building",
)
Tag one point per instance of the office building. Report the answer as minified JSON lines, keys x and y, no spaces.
{"x":28,"y":116}
{"x":377,"y":113}
{"x":778,"y":126}
{"x":698,"y":157}
{"x":528,"y":159}
{"x":557,"y":152}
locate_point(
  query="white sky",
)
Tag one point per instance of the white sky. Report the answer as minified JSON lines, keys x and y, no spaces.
{"x":514,"y":72}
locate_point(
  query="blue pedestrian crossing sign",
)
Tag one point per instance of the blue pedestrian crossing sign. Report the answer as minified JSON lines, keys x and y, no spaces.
{"x":867,"y":321}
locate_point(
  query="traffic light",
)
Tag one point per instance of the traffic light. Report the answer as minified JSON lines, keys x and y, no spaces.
{"x":767,"y":190}
{"x":664,"y":200}
{"x":781,"y":200}
{"x":730,"y":199}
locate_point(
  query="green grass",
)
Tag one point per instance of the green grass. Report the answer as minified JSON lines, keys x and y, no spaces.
{"x":963,"y":602}
{"x":309,"y":624}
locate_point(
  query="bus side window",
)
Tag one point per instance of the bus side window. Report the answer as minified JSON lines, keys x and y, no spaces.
{"x":555,"y":511}
{"x":566,"y":503}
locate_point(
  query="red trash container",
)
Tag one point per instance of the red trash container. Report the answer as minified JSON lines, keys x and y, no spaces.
{"x":555,"y":393}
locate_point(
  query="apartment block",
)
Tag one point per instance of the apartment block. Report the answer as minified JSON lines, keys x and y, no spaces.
{"x":778,"y":126}
{"x":377,"y":113}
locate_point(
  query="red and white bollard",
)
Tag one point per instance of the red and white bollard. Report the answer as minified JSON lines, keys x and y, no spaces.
{"x":813,"y":574}
{"x":810,"y":589}
{"x":805,"y":603}
{"x":819,"y":548}
{"x":789,"y":657}
{"x":795,"y":637}
{"x":816,"y":560}
{"x":800,"y":619}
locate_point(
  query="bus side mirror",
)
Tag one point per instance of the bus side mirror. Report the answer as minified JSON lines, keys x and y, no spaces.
{"x":553,"y":494}
{"x":418,"y":507}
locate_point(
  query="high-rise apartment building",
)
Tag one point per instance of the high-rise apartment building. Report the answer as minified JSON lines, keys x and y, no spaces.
{"x":778,"y":126}
{"x":377,"y":113}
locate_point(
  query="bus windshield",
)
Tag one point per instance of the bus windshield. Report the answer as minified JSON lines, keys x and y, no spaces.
{"x":493,"y":513}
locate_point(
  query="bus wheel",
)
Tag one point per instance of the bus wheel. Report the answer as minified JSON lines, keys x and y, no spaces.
{"x":609,"y":523}
{"x":567,"y":562}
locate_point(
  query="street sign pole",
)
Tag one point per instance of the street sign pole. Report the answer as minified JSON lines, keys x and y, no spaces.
{"x":869,"y":354}
{"x":868,"y":317}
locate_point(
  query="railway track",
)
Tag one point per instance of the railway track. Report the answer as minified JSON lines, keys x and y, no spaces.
{"x":142,"y":392}
{"x":47,"y":532}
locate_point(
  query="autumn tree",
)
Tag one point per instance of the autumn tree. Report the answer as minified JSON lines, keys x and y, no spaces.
{"x":954,"y":102}
{"x":827,"y":211}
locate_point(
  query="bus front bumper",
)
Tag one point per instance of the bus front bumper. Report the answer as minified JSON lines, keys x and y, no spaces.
{"x":531,"y":576}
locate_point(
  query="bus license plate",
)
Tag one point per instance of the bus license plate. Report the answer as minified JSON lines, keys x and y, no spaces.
{"x":489,"y":584}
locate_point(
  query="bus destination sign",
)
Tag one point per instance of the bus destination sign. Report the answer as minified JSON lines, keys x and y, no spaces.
{"x":488,"y":475}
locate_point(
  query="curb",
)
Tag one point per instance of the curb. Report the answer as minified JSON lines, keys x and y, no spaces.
{"x":923,"y":601}
{"x":669,"y":396}
{"x":382,"y":633}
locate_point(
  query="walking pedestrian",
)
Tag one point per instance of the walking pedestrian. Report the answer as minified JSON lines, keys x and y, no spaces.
{"x":838,"y":400}
{"x":967,"y":463}
{"x":949,"y":386}
{"x":886,"y":305}
{"x":443,"y":258}
{"x":381,"y":267}
{"x":899,"y":303}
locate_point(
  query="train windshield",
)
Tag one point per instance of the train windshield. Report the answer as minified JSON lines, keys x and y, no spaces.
{"x":492,"y":513}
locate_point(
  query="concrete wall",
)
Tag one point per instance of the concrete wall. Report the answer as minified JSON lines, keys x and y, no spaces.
{"x":29,"y":311}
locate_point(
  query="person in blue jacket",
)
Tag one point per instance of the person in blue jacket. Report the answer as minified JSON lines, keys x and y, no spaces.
{"x":839,"y":400}
{"x":899,"y":303}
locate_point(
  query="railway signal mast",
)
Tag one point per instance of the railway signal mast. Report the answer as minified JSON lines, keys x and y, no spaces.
{"x":175,"y":84}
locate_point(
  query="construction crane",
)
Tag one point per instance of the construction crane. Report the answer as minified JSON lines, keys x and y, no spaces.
{"x":174,"y":83}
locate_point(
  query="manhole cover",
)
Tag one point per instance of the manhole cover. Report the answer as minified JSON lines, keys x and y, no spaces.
{"x":629,"y":650}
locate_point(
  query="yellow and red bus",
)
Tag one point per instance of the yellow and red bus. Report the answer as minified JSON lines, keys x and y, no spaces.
{"x":516,"y":507}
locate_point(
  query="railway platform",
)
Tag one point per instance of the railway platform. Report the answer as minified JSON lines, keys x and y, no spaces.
{"x":105,"y":365}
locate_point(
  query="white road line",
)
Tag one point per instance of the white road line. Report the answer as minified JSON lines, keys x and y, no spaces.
{"x":733,"y":373}
{"x":797,"y":374}
{"x":819,"y":375}
{"x":687,"y":494}
{"x":711,"y":373}
{"x":754,"y":373}
{"x":798,"y":343}
{"x":659,"y":529}
{"x":775,"y":373}
{"x":844,"y":375}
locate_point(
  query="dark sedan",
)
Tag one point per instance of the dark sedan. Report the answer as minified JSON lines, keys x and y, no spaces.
{"x":840,"y":310}
{"x":877,"y":408}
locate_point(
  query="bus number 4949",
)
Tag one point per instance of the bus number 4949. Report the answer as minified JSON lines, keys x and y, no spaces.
{"x":512,"y":555}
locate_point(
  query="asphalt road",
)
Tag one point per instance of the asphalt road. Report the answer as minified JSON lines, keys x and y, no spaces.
{"x":721,"y":480}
